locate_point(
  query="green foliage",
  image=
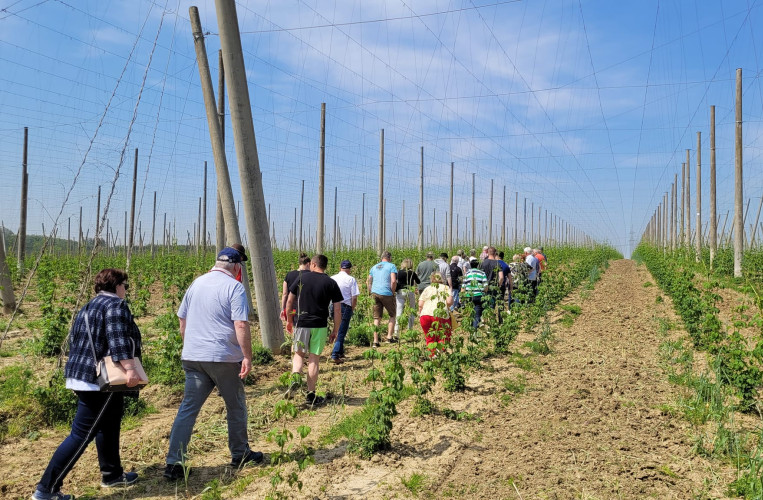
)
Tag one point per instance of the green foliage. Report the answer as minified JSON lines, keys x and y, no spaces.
{"x":161,"y":357}
{"x":360,"y":335}
{"x":55,"y":318}
{"x":261,"y":356}
{"x":57,"y":403}
{"x":415,"y":484}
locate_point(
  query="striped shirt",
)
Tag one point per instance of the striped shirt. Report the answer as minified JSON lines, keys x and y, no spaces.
{"x":474,"y":283}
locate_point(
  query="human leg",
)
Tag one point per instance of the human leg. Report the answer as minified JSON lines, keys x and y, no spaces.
{"x":388,"y":302}
{"x":344,"y":326}
{"x":377,"y":311}
{"x":400,"y":300}
{"x":231,"y":387}
{"x":477,"y":302}
{"x":411,"y":299}
{"x":90,"y":409}
{"x":107,"y":439}
{"x":313,"y":362}
{"x":198,"y":386}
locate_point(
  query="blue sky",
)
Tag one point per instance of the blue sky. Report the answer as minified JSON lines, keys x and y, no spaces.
{"x":585,"y":108}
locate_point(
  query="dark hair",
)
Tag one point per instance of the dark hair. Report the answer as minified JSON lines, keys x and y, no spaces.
{"x":501,"y":255}
{"x":303,"y":259}
{"x":321,"y":261}
{"x":108,"y":279}
{"x":444,"y":255}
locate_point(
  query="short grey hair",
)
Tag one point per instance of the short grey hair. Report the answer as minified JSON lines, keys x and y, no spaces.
{"x":228,"y":266}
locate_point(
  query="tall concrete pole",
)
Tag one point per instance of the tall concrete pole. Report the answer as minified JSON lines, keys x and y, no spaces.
{"x":516,"y":215}
{"x":249,"y":169}
{"x":490,"y":218}
{"x":6,"y":285}
{"x":363,"y":223}
{"x":402,"y":225}
{"x":219,"y":214}
{"x":738,"y":187}
{"x":203,"y":215}
{"x":319,"y":236}
{"x":503,"y":219}
{"x":421,"y":203}
{"x":698,"y":224}
{"x":450,"y":223}
{"x":153,"y":228}
{"x":335,"y":235}
{"x":380,"y":239}
{"x":301,"y":215}
{"x":713,"y":207}
{"x":97,"y":218}
{"x":131,"y":235}
{"x":674,"y":214}
{"x":682,"y":229}
{"x":21,"y":236}
{"x":524,"y":228}
{"x":687,"y":208}
{"x":474,"y":224}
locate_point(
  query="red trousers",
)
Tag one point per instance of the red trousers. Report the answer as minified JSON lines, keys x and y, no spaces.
{"x":436,"y":329}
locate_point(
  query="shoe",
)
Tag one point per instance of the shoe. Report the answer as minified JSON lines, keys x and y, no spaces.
{"x":126,"y":479}
{"x":337,"y":361}
{"x":39,"y":495}
{"x":342,"y":356}
{"x":313,"y":399}
{"x":250,"y":457}
{"x":173,"y":472}
{"x":376,"y":344}
{"x":291,"y":391}
{"x":392,"y":340}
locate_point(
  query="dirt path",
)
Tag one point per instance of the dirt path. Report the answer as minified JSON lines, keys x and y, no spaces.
{"x":588,"y":425}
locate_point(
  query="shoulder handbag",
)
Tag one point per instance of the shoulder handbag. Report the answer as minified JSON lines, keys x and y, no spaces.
{"x":111,"y":377}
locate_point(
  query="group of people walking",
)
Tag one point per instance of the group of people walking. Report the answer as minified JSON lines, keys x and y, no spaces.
{"x":217,"y":348}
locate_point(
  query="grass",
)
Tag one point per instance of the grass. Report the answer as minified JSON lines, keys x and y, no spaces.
{"x":415,"y":483}
{"x":526,"y":363}
{"x":514,"y":387}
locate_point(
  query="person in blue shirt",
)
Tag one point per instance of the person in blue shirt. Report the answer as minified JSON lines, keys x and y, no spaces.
{"x":382,"y":282}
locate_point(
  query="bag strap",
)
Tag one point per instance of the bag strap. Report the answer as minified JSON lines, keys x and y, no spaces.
{"x":90,"y":335}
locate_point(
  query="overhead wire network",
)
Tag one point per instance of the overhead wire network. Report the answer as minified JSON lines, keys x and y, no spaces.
{"x":554,"y":103}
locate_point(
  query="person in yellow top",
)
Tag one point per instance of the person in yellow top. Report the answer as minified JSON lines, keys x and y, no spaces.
{"x":434,"y":315}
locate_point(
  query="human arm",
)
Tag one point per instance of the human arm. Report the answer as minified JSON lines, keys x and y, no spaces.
{"x":244,"y":338}
{"x":337,"y":321}
{"x":369,"y":282}
{"x":182,"y":327}
{"x":290,"y":312}
{"x":284,"y":298}
{"x":393,"y":282}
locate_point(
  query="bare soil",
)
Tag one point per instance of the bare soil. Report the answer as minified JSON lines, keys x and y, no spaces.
{"x":590,"y":424}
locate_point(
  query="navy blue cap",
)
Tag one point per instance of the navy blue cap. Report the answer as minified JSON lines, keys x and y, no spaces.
{"x":232,"y":255}
{"x":346,"y":264}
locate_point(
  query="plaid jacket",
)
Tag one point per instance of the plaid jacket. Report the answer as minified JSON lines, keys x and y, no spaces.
{"x":112,"y":327}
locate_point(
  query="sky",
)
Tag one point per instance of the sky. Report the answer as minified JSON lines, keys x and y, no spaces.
{"x":585,"y":109}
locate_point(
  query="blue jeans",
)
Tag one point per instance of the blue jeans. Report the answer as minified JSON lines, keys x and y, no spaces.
{"x":477,"y":302}
{"x":347,"y":313}
{"x":200,"y":378}
{"x":99,"y":416}
{"x":456,"y":301}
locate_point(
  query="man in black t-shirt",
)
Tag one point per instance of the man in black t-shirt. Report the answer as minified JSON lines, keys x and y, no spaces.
{"x":307,"y":317}
{"x":455,"y":278}
{"x":491,"y":266}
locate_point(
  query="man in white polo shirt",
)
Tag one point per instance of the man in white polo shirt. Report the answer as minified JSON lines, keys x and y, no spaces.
{"x":350,"y":291}
{"x":217,"y":352}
